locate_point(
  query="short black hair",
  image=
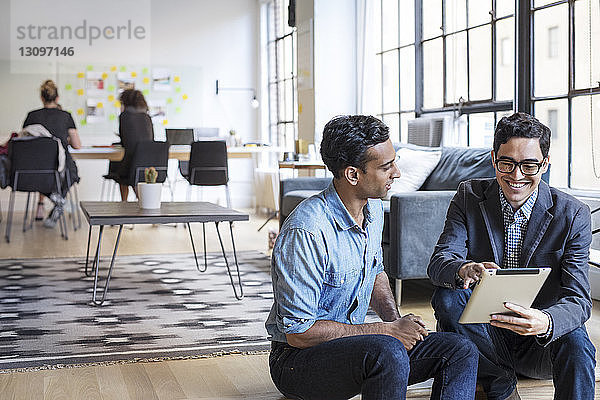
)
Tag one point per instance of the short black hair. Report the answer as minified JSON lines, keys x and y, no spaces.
{"x":522,"y":125}
{"x":347,"y":138}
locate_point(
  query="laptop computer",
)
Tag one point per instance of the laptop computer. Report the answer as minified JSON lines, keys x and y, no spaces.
{"x":179,"y":136}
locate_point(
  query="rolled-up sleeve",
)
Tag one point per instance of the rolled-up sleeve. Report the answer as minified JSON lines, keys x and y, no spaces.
{"x":298,"y":268}
{"x":379,"y":261}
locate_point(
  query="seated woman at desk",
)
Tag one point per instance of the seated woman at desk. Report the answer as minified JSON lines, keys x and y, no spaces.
{"x":135,"y":126}
{"x":61,"y":125}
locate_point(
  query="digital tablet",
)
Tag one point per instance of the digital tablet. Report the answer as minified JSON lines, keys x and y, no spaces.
{"x":498,"y":286}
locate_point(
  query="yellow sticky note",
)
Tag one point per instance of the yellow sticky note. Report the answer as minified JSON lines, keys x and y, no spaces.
{"x":300,"y":108}
{"x":104,"y":75}
{"x":146,"y":80}
{"x":80,"y":111}
{"x":176,"y":78}
{"x":113,"y":68}
{"x":165,"y":122}
{"x":79,"y":92}
{"x":111,"y":98}
{"x":80,"y":75}
{"x":117,"y":104}
{"x":99,"y":105}
{"x":185,"y":97}
{"x":133,"y":74}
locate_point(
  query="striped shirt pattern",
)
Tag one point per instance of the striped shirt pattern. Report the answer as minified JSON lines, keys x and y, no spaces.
{"x":515,"y":227}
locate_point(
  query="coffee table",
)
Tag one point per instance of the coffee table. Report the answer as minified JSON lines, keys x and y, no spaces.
{"x":104,"y":213}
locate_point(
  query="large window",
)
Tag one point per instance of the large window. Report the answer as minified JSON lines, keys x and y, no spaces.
{"x":396,"y":58}
{"x":459,"y":59}
{"x":281,"y":51}
{"x":566,"y":88}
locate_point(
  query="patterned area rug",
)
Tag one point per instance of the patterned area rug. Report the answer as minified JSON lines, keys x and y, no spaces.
{"x":157,"y":306}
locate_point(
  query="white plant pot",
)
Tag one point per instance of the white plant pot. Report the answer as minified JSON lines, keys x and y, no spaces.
{"x":149,"y":195}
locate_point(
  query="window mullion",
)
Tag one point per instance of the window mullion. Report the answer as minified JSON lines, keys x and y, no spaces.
{"x":399,"y":80}
{"x":523,"y":56}
{"x":418,"y":57}
{"x":444,"y":54}
{"x":494,"y":51}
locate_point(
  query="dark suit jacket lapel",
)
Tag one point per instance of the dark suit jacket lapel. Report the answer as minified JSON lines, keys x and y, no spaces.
{"x":538,"y":223}
{"x":492,"y":215}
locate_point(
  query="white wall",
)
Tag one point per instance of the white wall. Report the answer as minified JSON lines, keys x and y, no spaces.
{"x":334,"y":64}
{"x":335,"y":60}
{"x":219,"y":39}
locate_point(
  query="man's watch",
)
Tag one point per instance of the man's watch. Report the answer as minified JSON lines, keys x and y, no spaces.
{"x":550,"y":327}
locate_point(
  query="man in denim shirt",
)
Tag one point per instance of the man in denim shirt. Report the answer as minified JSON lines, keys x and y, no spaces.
{"x":327,"y":270}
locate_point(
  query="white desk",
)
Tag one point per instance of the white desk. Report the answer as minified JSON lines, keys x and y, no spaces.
{"x":177,"y":152}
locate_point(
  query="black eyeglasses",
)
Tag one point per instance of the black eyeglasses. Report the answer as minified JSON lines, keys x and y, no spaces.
{"x":528,"y":168}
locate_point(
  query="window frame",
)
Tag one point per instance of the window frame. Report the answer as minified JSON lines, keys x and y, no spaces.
{"x":278,"y":99}
{"x":466,"y":107}
{"x":524,"y":68}
{"x":572,"y":92}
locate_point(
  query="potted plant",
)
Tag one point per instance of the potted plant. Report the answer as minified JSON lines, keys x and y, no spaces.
{"x":149,"y":191}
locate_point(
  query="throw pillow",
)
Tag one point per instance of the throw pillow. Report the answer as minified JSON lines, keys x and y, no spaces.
{"x":415,"y":166}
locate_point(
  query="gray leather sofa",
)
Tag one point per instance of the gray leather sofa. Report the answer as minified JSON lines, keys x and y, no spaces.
{"x":414,"y":221}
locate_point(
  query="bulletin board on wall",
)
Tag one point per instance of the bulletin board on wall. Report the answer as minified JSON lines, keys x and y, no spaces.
{"x":91,"y":94}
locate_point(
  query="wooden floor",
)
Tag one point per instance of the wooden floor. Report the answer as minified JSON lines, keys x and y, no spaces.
{"x":226,"y":377}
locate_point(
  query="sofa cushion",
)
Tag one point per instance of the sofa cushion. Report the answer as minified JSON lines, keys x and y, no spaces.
{"x":293,"y":198}
{"x":458,"y":164}
{"x":415,"y":165}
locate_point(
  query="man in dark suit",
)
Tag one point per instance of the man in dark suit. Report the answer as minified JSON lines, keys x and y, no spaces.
{"x":516,"y":221}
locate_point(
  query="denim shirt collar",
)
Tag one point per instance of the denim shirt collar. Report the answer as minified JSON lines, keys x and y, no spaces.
{"x":339,"y":212}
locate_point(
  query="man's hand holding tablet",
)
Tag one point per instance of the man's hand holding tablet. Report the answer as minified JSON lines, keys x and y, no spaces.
{"x":471,"y":272}
{"x":530,"y":321}
{"x":503,"y":297}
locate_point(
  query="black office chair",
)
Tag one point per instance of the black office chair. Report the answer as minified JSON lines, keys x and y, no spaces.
{"x":145,"y":154}
{"x":208,"y":166}
{"x":178,"y":137}
{"x":34,"y":168}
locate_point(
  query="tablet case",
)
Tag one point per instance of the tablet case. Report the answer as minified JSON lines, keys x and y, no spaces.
{"x":517,"y":285}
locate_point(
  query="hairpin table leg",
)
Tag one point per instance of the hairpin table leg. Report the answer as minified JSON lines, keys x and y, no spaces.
{"x":241,"y":294}
{"x":112,"y":263}
{"x":194,"y":248}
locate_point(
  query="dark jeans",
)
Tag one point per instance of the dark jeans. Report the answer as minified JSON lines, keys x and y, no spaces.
{"x":377,"y":366}
{"x":504,"y":354}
